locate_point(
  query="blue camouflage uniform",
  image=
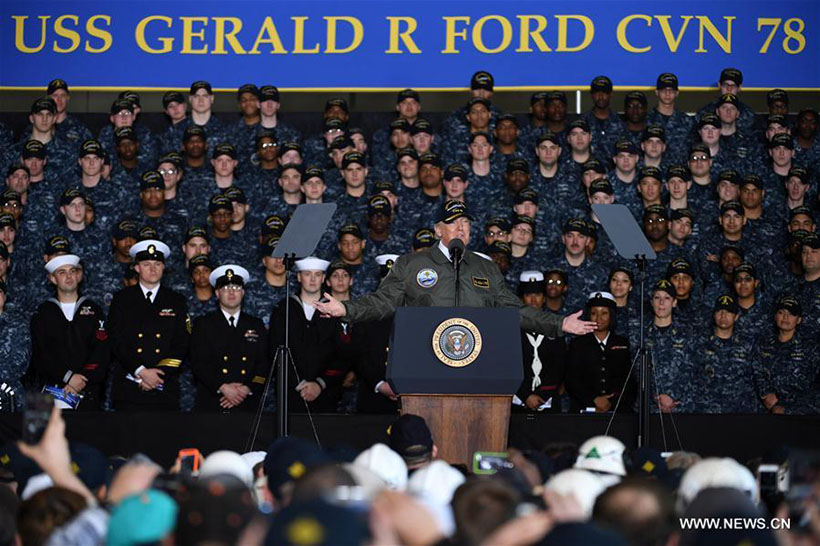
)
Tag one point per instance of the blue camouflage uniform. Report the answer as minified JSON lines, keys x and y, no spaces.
{"x":674,"y":369}
{"x":148,"y":149}
{"x":789,"y":370}
{"x":725,"y":380}
{"x":589,"y":277}
{"x":15,"y":352}
{"x":678,"y":128}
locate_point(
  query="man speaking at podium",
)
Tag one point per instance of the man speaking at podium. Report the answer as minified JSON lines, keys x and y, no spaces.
{"x":428,"y":279}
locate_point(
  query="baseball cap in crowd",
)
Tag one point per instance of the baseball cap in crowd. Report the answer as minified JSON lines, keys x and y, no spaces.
{"x":423,"y":238}
{"x":172,"y":96}
{"x":451,"y":210}
{"x":410,"y":437}
{"x":201,"y":84}
{"x":34,"y":148}
{"x":601,"y":83}
{"x":56,"y":84}
{"x":144,"y":518}
{"x":731,"y":74}
{"x":726,"y":303}
{"x":482,"y":80}
{"x":666,"y":80}
{"x":790,"y":304}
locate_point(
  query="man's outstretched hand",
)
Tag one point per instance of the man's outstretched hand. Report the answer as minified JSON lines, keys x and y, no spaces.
{"x":574,"y":325}
{"x":331,"y":308}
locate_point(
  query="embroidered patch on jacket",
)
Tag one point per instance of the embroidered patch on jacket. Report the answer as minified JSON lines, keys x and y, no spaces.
{"x":481,"y":282}
{"x":427,"y":278}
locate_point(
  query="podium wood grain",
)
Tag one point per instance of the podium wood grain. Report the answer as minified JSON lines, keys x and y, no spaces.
{"x":462,"y":424}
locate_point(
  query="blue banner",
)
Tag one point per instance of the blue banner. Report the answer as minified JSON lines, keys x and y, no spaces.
{"x":372,"y":45}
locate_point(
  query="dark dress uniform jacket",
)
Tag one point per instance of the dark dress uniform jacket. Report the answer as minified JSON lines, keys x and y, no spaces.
{"x":372,"y":366}
{"x":312,"y":344}
{"x":426,"y":279}
{"x":154,"y":335}
{"x":592,"y":372}
{"x":221,"y":353}
{"x":60,"y":346}
{"x":552,"y":355}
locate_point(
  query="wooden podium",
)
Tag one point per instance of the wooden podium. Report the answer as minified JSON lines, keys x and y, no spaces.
{"x":462,"y":424}
{"x":458,"y":368}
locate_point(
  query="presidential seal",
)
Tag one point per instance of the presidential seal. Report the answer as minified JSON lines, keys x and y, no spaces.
{"x":457,"y":342}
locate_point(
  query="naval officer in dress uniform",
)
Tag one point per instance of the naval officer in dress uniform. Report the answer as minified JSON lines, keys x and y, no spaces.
{"x":229,"y":348}
{"x":150,"y":329}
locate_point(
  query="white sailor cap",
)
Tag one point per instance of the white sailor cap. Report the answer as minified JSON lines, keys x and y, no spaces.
{"x":65,"y":259}
{"x":229,"y":274}
{"x":387,"y":259}
{"x":531,"y":276}
{"x":599,"y":294}
{"x":312,"y":263}
{"x":149,"y":249}
{"x":601,"y":299}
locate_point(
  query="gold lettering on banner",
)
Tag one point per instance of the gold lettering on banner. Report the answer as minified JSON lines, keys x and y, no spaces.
{"x":724,"y":42}
{"x":188,"y":35}
{"x":535,"y":35}
{"x":589,"y":32}
{"x":72,"y":35}
{"x":343,"y":34}
{"x":20,"y":29}
{"x":450,"y":33}
{"x":792,"y":34}
{"x":299,"y":37}
{"x":405,"y":35}
{"x":104,"y":35}
{"x":671,"y":40}
{"x":332,"y":32}
{"x":268,"y":35}
{"x":139,"y":35}
{"x":621,"y":33}
{"x":506,"y":34}
{"x":223,"y":36}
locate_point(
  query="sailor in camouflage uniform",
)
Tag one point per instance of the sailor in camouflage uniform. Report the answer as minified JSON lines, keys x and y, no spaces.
{"x":724,"y":379}
{"x":787,"y":364}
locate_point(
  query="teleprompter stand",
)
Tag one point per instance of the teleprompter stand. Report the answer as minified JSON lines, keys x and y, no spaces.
{"x":303,"y":232}
{"x":631,"y":243}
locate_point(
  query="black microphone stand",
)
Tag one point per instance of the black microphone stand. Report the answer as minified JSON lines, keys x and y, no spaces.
{"x":456,"y":257}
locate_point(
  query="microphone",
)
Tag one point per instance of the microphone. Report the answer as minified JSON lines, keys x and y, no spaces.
{"x":456,"y":248}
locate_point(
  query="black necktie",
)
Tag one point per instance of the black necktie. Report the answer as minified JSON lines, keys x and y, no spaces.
{"x":148,"y":296}
{"x":231,"y":319}
{"x":603,"y":346}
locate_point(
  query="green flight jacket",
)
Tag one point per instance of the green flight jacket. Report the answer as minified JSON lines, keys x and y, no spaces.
{"x":427,"y":279}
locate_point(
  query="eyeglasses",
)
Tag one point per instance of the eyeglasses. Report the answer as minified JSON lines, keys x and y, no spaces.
{"x":125,"y":114}
{"x":12,"y":204}
{"x":699,"y":158}
{"x":499,"y":233}
{"x":163,"y":172}
{"x":656,"y":221}
{"x":232,"y":287}
{"x":744,"y":278}
{"x":267,"y":145}
{"x":556,"y":282}
{"x":522,"y":229}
